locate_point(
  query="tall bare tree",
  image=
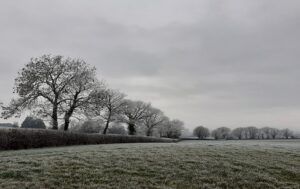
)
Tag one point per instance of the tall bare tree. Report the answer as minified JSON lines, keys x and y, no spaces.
{"x":52,"y":84}
{"x":155,"y":118}
{"x":108,"y":104}
{"x":79,"y":90}
{"x":133,"y":113}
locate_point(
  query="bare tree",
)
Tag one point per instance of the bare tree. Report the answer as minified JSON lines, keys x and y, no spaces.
{"x":171,"y":129}
{"x":252,"y":132}
{"x":287,"y":133}
{"x":221,"y":133}
{"x":201,"y":132}
{"x":155,"y":118}
{"x":80,"y":89}
{"x":134,"y":112}
{"x":274,"y":132}
{"x":52,"y":85}
{"x":238,"y":133}
{"x":108,"y":104}
{"x":266,"y":132}
{"x":270,"y":133}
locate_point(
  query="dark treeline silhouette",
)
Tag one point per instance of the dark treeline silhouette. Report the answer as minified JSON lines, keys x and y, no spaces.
{"x":243,"y":133}
{"x":9,"y":125}
{"x":64,"y":90}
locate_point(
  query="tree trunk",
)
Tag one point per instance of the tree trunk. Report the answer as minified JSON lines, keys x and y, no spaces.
{"x":131,"y":129}
{"x":67,"y":118}
{"x":67,"y":122}
{"x":107,"y":124}
{"x":69,"y":113}
{"x":149,"y":132}
{"x":54,"y":118}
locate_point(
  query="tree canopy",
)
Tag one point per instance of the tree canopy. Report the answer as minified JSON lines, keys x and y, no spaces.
{"x":201,"y":132}
{"x":52,"y":86}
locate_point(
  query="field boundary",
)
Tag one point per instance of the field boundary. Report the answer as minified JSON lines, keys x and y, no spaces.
{"x":14,"y":139}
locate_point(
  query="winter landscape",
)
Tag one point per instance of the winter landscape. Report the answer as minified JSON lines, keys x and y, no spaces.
{"x":125,"y":94}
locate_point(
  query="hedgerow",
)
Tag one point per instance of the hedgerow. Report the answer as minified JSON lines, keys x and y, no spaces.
{"x":13,"y":139}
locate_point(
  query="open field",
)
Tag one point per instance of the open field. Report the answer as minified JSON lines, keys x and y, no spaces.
{"x":188,"y":164}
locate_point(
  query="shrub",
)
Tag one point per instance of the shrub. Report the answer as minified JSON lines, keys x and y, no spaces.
{"x":33,"y":123}
{"x":12,"y":139}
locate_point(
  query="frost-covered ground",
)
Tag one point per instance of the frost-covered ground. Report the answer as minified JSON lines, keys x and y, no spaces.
{"x":188,"y":164}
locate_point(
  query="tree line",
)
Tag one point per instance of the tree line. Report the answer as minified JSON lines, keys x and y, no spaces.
{"x":243,"y":133}
{"x":65,"y":89}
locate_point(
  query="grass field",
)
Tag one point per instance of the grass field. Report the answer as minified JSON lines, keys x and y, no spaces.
{"x":187,"y":164}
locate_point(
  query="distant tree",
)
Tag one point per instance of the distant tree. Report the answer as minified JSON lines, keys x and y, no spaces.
{"x":266,"y":132}
{"x":269,"y":133}
{"x":8,"y":125}
{"x":251,"y":132}
{"x":108,"y":104}
{"x":261,"y":134}
{"x":52,"y":86}
{"x":238,"y":133}
{"x":221,"y":133}
{"x":286,"y":133}
{"x":33,"y":123}
{"x":274,"y":132}
{"x":117,"y":129}
{"x":134,"y":112}
{"x":171,"y":129}
{"x":201,"y":132}
{"x":154,"y":119}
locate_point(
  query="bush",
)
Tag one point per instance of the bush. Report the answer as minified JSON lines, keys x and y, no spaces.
{"x":13,"y":139}
{"x":33,"y":123}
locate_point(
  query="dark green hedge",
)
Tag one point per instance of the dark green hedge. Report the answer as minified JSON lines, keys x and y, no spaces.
{"x":13,"y":139}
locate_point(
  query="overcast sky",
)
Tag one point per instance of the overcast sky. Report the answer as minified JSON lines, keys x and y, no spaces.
{"x":214,"y":63}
